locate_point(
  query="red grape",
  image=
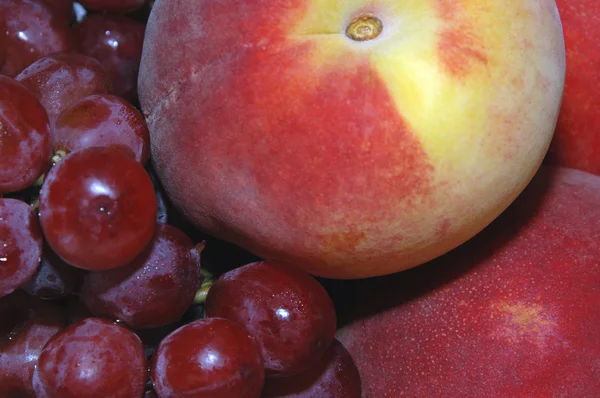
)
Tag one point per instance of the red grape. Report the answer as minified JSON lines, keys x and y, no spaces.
{"x":20,"y":244}
{"x":113,"y":5}
{"x":54,"y":278}
{"x":62,"y":8}
{"x":91,"y":358}
{"x":116,"y":41}
{"x":19,"y":355}
{"x":97,"y":208}
{"x":287,"y":311}
{"x":102,"y":120}
{"x":334,"y":376}
{"x":33,"y":31}
{"x":155,"y":289}
{"x":61,"y":79}
{"x":3,"y":40}
{"x":213,"y":358}
{"x":26,"y":147}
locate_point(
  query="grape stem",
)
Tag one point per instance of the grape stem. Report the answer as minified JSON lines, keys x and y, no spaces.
{"x":207,"y":278}
{"x":200,"y":246}
{"x":58,"y":155}
{"x":38,"y":183}
{"x":201,"y":294}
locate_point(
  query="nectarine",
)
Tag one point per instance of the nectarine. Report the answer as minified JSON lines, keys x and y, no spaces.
{"x":511,"y":313}
{"x":576,"y":141}
{"x":353,"y":138}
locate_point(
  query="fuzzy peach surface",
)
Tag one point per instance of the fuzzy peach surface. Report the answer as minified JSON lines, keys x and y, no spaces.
{"x":272,"y":129}
{"x":511,"y":313}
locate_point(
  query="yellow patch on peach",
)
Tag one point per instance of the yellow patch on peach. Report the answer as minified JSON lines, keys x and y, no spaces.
{"x":344,"y":240}
{"x":523,"y":321}
{"x":419,"y":43}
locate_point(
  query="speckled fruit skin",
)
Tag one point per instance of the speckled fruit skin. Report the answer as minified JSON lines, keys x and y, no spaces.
{"x":511,"y":313}
{"x":273,"y":129}
{"x":576,"y":141}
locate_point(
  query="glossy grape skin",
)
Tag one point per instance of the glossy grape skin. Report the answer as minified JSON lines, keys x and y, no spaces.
{"x":61,"y":79}
{"x":91,"y":358}
{"x":287,"y":311}
{"x":54,"y":278}
{"x":116,"y":41}
{"x":19,"y":355}
{"x":26,"y":146}
{"x":33,"y":32}
{"x":334,"y":376}
{"x":113,"y":5}
{"x":98,"y":208}
{"x":20,"y":244}
{"x":209,"y":358}
{"x":102,"y":120}
{"x":155,"y":289}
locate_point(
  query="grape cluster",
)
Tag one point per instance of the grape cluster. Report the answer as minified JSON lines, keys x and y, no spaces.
{"x":101,"y":289}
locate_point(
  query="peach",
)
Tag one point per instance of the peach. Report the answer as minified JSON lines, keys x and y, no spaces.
{"x":352,"y":138}
{"x":576,"y":141}
{"x":511,"y":313}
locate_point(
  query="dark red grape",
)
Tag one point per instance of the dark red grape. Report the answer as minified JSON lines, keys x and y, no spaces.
{"x":287,"y":311}
{"x":334,"y":376}
{"x":116,"y":41}
{"x":61,"y":79}
{"x":155,"y":289}
{"x":26,"y":146}
{"x":19,"y":355}
{"x":213,"y":358}
{"x":20,"y":244}
{"x":62,"y":8}
{"x":113,"y":5}
{"x":98,"y":208}
{"x":54,"y":278}
{"x":102,"y":120}
{"x":92,"y":358}
{"x":33,"y":31}
{"x":3,"y":39}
